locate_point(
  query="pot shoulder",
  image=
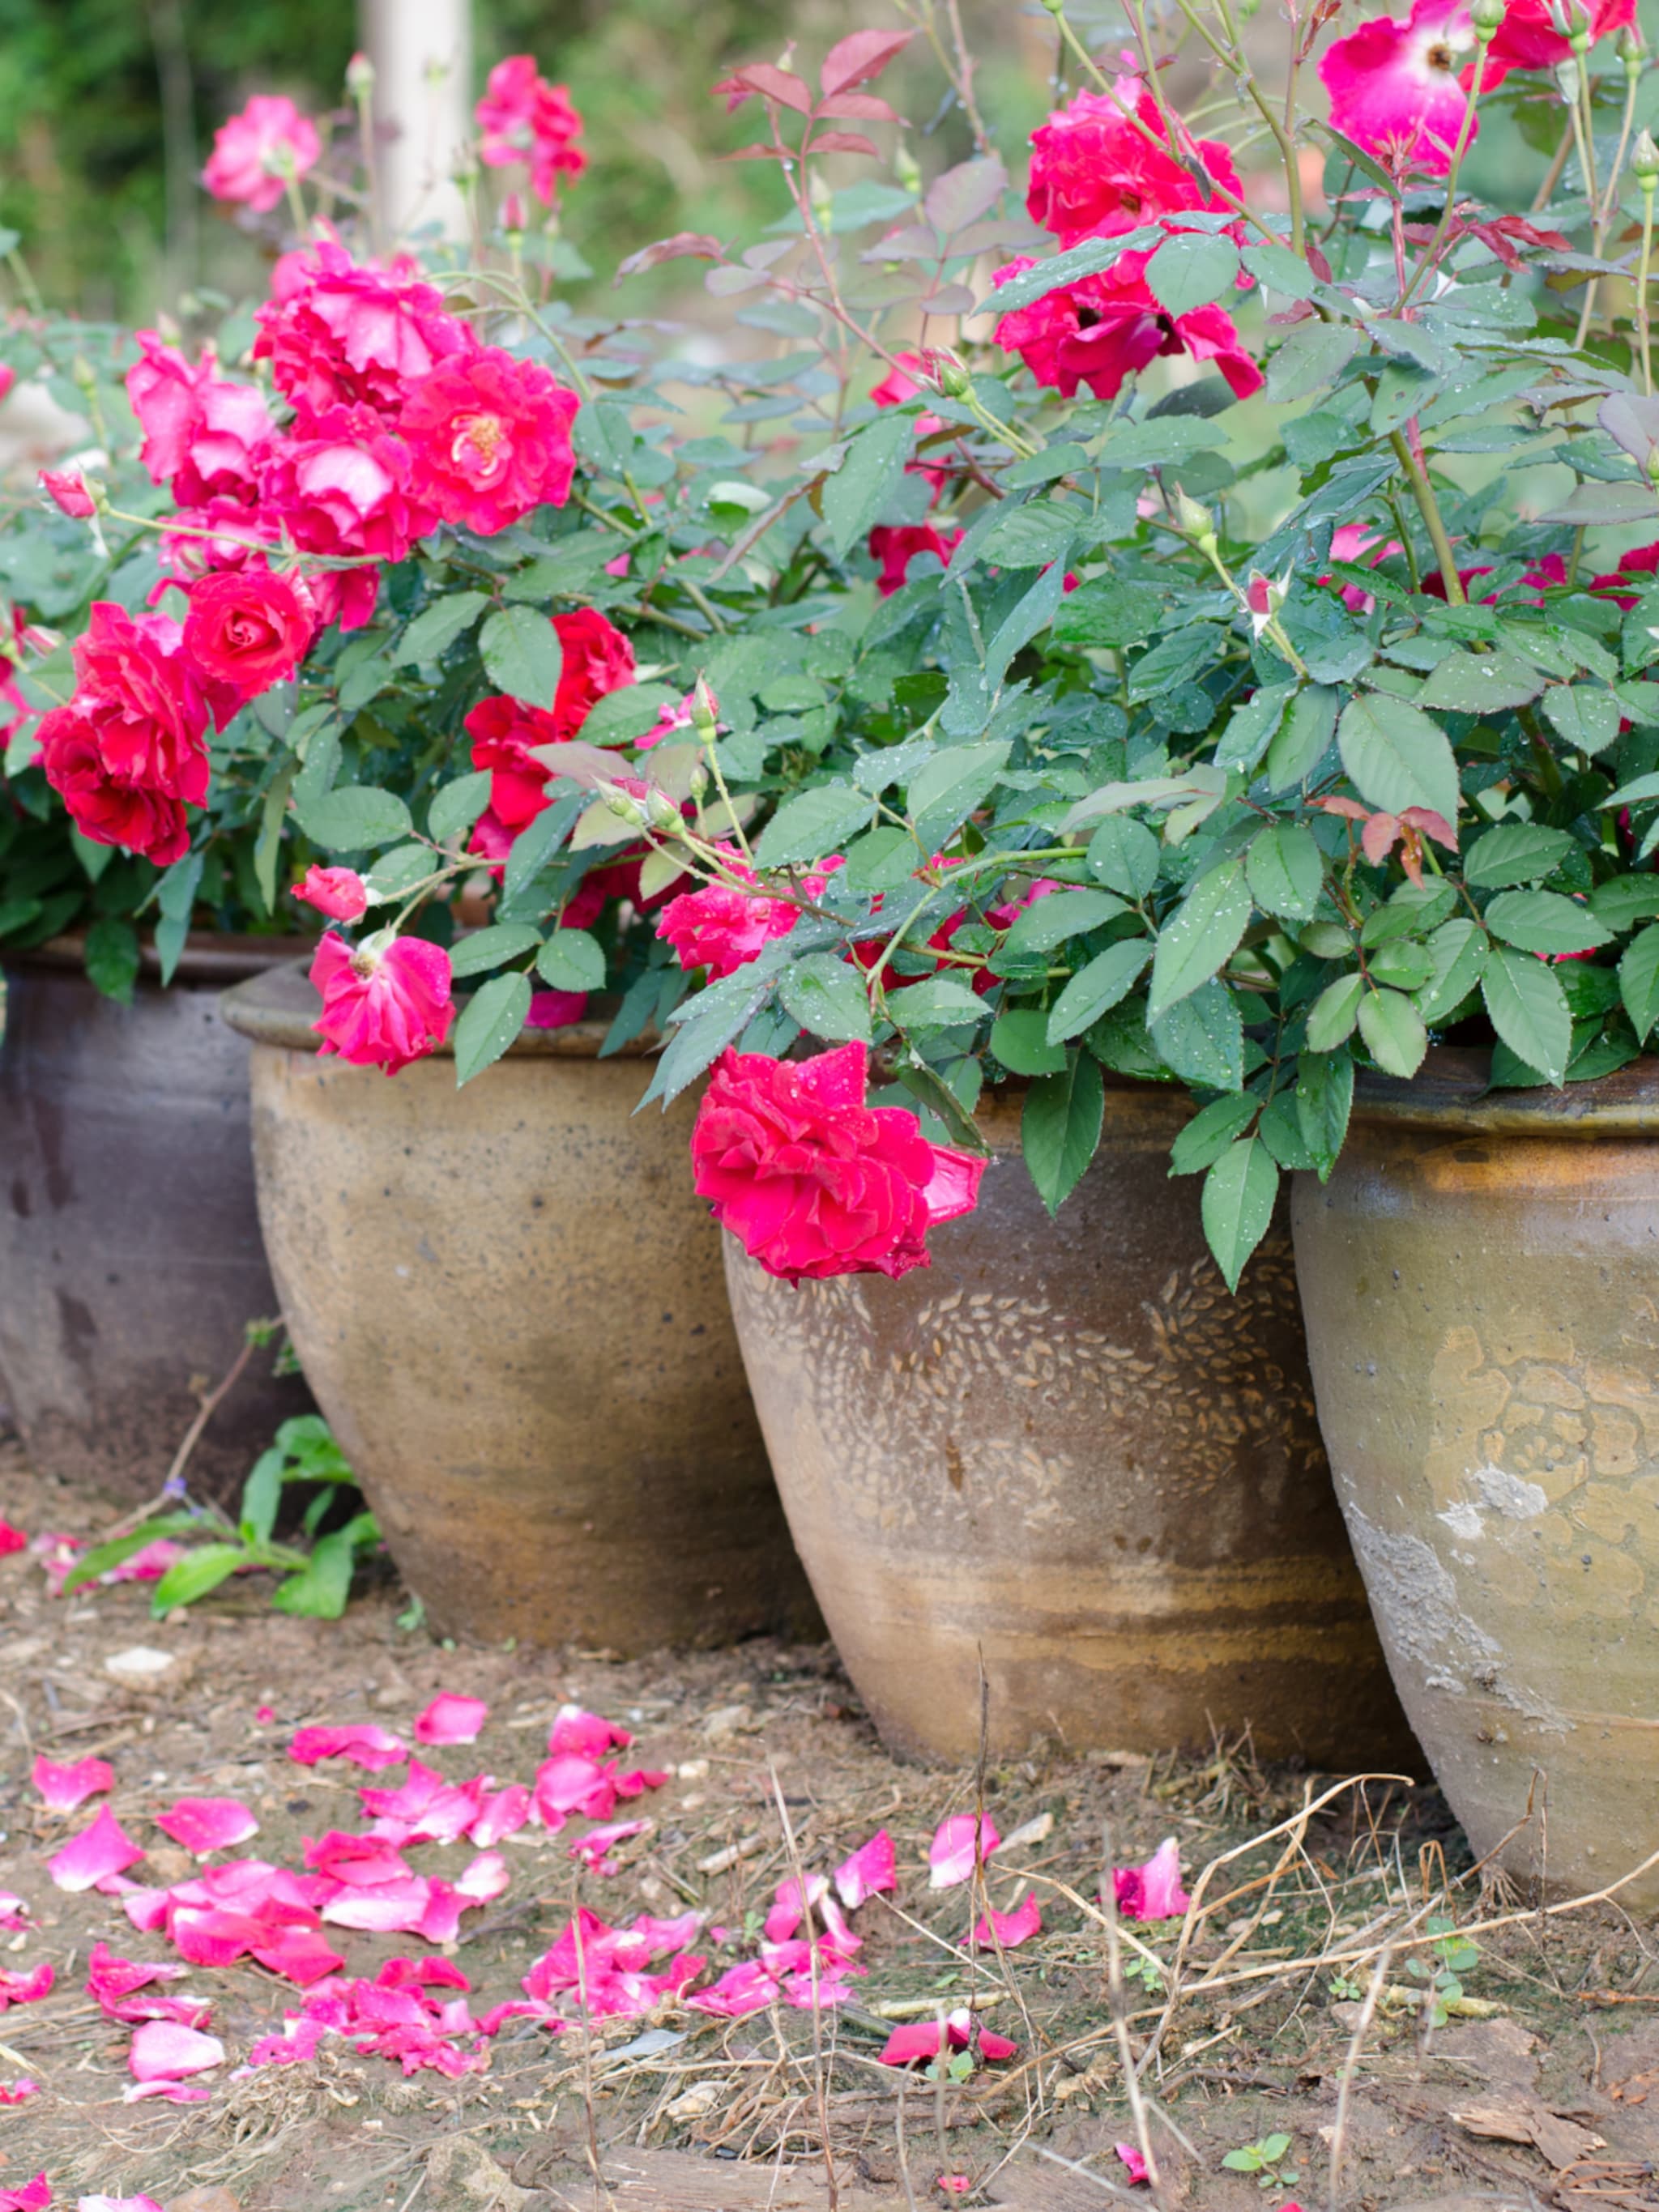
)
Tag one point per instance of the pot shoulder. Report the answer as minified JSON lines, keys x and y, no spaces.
{"x":1453,"y":1091}
{"x":206,"y":958}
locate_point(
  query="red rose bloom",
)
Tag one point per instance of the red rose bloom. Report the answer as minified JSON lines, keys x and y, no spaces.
{"x":1641,"y":561}
{"x":1102,"y":329}
{"x":336,"y":334}
{"x":340,"y":893}
{"x":721,"y":928}
{"x":385,"y":1005}
{"x":598,"y":659}
{"x":1094,"y":173}
{"x":896,"y":545}
{"x":809,"y":1180}
{"x":490,"y":438}
{"x":343,"y":488}
{"x":247,"y":630}
{"x":1527,"y":38}
{"x":522,"y":117}
{"x":129,"y":752}
{"x":203,"y":436}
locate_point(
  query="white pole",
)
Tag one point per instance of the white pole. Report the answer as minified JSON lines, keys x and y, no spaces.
{"x":422,"y":51}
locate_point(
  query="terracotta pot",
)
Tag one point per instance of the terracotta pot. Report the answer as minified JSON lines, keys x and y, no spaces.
{"x":130,"y":1252}
{"x":1481,"y":1282}
{"x":508,"y":1302}
{"x":1064,"y":1450}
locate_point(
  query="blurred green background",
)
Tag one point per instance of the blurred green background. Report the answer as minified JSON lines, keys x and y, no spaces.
{"x":107,"y":109}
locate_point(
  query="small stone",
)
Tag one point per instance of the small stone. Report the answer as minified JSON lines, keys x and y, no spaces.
{"x":460,"y":2172}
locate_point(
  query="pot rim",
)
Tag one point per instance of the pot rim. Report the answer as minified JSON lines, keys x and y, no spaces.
{"x":1452,"y":1091}
{"x":208,"y":957}
{"x":278,"y":1006}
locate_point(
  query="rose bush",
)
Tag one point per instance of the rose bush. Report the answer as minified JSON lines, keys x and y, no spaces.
{"x":1224,"y":662}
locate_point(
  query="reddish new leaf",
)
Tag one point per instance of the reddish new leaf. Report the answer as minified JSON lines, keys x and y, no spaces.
{"x":692,"y":245}
{"x":842,"y":142}
{"x":857,"y":107}
{"x":758,"y":154}
{"x":765,"y":81}
{"x":859,"y":57}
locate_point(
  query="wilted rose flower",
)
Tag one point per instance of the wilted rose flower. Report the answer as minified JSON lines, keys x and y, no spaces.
{"x":809,"y":1180}
{"x":67,"y":488}
{"x":1095,"y":172}
{"x":490,"y":439}
{"x":1101,"y":329}
{"x":256,"y":152}
{"x":343,"y":488}
{"x":720,"y":928}
{"x":522,"y":117}
{"x":384,"y":1004}
{"x":129,"y":752}
{"x":245,"y":630}
{"x":203,"y":434}
{"x":338,"y":333}
{"x":340,"y":893}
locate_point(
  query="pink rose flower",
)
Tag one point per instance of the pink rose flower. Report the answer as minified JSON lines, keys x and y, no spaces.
{"x":256,"y":152}
{"x":129,"y":752}
{"x":721,"y":928}
{"x":340,"y":893}
{"x":337,"y":333}
{"x":1102,"y":329}
{"x":489,"y":437}
{"x":809,"y":1180}
{"x":597,"y":658}
{"x":67,"y":489}
{"x":341,"y":487}
{"x":1393,"y":86}
{"x":1641,"y":561}
{"x":1528,"y":38}
{"x":245,"y":630}
{"x":522,"y":117}
{"x":1352,"y":543}
{"x":896,"y":545}
{"x":555,"y":1009}
{"x":385,"y":1005}
{"x":203,"y":434}
{"x":1095,"y":174}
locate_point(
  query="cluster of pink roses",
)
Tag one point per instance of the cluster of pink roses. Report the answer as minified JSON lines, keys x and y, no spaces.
{"x":1101,"y":167}
{"x":401,"y":420}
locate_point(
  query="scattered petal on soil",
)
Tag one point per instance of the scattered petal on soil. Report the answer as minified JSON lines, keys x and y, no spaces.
{"x":451,"y":1719}
{"x":1011,"y":1929}
{"x":1153,"y":1891}
{"x":207,"y":1824}
{"x":363,"y":1743}
{"x":871,"y":1867}
{"x":1134,"y":2163}
{"x":163,"y":2051}
{"x":65,"y":1789}
{"x":104,"y":1848}
{"x":950,"y":1854}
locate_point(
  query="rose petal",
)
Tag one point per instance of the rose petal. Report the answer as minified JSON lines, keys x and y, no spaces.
{"x":63,"y":1789}
{"x":575,"y":1730}
{"x":20,"y":2092}
{"x":163,"y":2051}
{"x":950,"y":1854}
{"x":1153,"y":1891}
{"x":207,"y":1824}
{"x":33,"y":2196}
{"x":1133,"y":2161}
{"x":451,"y":1719}
{"x":871,"y":1867}
{"x":1010,"y":1930}
{"x":103,"y":1848}
{"x":364,"y":1744}
{"x":26,"y":1988}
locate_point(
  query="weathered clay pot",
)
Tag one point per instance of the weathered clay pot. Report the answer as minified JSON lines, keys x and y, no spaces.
{"x":1065,"y":1452}
{"x":130,"y":1252}
{"x":1481,"y":1282}
{"x":508,"y":1299}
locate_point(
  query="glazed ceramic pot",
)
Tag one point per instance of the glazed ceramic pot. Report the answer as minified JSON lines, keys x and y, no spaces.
{"x":1481,"y":1282}
{"x":508,"y":1299}
{"x":1063,"y":1453}
{"x":130,"y":1251}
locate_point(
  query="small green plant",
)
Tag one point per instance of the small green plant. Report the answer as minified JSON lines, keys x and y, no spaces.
{"x":1266,"y":2161}
{"x":315,"y":1583}
{"x":1147,"y":1971}
{"x":1453,"y":1956}
{"x":1345,"y":1990}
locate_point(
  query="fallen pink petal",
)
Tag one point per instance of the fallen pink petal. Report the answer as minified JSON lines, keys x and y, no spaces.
{"x":1007,"y":1930}
{"x":365,"y":1744}
{"x":951,"y":1856}
{"x":575,"y":1730}
{"x":104,"y":1848}
{"x":12,"y":1539}
{"x":451,"y":1719}
{"x":921,"y":2040}
{"x":202,"y":1824}
{"x":13,"y":1913}
{"x":173,"y":2093}
{"x":163,"y":2051}
{"x":1135,"y":2162}
{"x":65,"y":1788}
{"x":594,"y":1848}
{"x":116,"y":2204}
{"x":20,"y":2092}
{"x":27,"y":1989}
{"x":1153,"y":1891}
{"x":33,"y":2196}
{"x":873,"y":1868}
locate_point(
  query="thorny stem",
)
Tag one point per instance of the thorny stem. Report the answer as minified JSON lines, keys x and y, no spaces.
{"x":1428,"y":508}
{"x":364,"y":96}
{"x":1465,"y":131}
{"x":1238,"y":60}
{"x":1553,"y":175}
{"x":712,"y":752}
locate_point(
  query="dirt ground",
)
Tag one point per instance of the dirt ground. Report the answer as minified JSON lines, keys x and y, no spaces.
{"x":1542,"y":2088}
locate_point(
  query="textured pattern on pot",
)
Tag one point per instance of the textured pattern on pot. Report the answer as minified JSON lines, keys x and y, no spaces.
{"x":1065,"y":1447}
{"x":508,"y":1302}
{"x":130,"y":1251}
{"x":1481,"y":1279}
